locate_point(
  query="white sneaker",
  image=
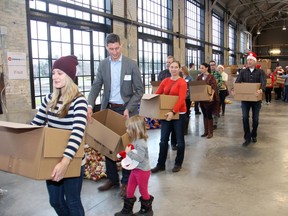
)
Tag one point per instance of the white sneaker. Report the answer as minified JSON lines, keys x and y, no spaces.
{"x":267,"y":103}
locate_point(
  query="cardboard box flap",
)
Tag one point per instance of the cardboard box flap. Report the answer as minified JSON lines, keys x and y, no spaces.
{"x":149,"y":96}
{"x":55,"y":142}
{"x":115,"y":122}
{"x":17,"y":125}
{"x":101,"y":134}
{"x":155,"y":83}
{"x":249,"y":88}
{"x":197,"y":82}
{"x":167,"y":102}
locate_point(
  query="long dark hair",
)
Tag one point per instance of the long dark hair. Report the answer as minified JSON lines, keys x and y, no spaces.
{"x":206,"y":65}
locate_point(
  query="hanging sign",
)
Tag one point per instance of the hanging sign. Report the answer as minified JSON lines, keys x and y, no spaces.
{"x":16,"y":63}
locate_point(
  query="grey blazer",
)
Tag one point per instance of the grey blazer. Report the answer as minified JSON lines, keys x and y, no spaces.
{"x":131,"y":90}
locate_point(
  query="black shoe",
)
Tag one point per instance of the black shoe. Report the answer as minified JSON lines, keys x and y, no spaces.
{"x":246,"y":143}
{"x":157,"y":169}
{"x":176,"y":168}
{"x":174,"y":147}
{"x":254,"y":139}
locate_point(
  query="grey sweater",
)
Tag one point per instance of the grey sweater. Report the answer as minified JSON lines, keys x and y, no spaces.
{"x":142,"y":155}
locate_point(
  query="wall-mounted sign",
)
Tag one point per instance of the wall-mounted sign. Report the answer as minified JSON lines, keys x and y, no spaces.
{"x":16,"y":63}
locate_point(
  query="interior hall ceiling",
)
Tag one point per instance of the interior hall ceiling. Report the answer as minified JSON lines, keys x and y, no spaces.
{"x":254,"y":15}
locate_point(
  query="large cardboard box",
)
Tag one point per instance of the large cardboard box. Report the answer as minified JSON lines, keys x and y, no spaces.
{"x":156,"y":106}
{"x":247,"y":92}
{"x":200,"y":91}
{"x":33,"y":151}
{"x":155,"y":85}
{"x":107,"y":133}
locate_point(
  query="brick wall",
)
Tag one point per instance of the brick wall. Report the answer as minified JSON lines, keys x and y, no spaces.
{"x":13,"y":17}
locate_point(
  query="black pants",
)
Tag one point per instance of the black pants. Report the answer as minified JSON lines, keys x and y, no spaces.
{"x":268,"y":94}
{"x":278,"y":92}
{"x":222,"y":95}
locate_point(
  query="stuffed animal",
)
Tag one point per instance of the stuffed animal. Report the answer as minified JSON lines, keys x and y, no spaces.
{"x":127,"y":162}
{"x":122,"y":154}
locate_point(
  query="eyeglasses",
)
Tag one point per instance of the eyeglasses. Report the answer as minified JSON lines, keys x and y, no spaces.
{"x":212,"y":64}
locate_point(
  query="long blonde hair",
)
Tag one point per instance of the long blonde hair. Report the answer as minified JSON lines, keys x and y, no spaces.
{"x":67,"y":94}
{"x":136,"y":128}
{"x":185,"y":70}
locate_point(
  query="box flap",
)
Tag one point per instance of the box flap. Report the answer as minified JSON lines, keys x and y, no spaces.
{"x":17,"y":125}
{"x":55,"y":142}
{"x":149,"y":96}
{"x":101,"y":133}
{"x":197,"y":82}
{"x":155,"y":83}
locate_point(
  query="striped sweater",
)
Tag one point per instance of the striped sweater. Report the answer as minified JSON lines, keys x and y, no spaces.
{"x":75,"y":121}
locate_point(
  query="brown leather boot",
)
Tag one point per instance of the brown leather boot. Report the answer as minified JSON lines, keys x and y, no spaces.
{"x":210,"y":128}
{"x":107,"y":185}
{"x":205,"y":127}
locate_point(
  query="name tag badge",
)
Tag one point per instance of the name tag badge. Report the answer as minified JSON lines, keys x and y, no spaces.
{"x":127,"y":77}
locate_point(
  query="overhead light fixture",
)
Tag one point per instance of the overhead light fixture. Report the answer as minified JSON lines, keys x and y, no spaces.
{"x":284,"y":28}
{"x":258,"y":32}
{"x":275,"y":51}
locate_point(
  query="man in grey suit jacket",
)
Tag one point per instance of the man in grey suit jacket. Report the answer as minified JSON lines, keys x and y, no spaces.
{"x":123,"y":90}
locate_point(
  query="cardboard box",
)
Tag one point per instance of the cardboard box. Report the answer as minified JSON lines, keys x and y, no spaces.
{"x":33,"y":151}
{"x":268,"y":82}
{"x":247,"y":91}
{"x":156,"y":106}
{"x":155,"y":85}
{"x":200,"y":91}
{"x":107,"y":133}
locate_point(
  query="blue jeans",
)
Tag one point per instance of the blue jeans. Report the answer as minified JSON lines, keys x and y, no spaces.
{"x":64,"y":196}
{"x":286,"y":93}
{"x":246,"y":106}
{"x":166,"y":128}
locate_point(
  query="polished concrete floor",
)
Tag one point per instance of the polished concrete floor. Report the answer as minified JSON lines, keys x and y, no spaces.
{"x":219,"y":177}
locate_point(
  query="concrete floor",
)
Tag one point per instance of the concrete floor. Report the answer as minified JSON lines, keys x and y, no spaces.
{"x":219,"y":177}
